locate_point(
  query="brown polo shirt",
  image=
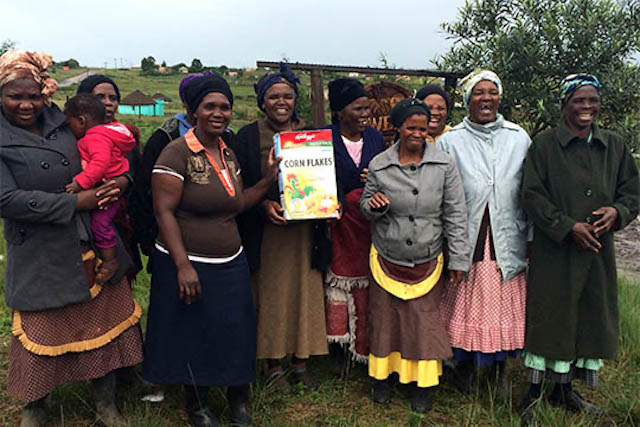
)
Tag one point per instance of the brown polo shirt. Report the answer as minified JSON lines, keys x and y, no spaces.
{"x":206,"y":213}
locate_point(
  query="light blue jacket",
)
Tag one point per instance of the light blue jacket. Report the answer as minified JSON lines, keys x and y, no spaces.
{"x":490,"y":159}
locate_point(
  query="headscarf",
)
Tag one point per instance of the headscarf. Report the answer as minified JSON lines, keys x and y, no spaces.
{"x":88,"y":84}
{"x":572,"y":82}
{"x":285,"y":75}
{"x":407,"y":108}
{"x":199,"y":87}
{"x":430,"y":89}
{"x":188,"y":78}
{"x":19,"y":64}
{"x":470,"y":81}
{"x":344,"y":91}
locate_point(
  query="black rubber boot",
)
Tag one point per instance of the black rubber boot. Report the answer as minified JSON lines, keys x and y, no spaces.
{"x":34,"y":414}
{"x":104,"y":390}
{"x":529,"y":403}
{"x":420,"y":399}
{"x":339,"y":359}
{"x":382,"y":391}
{"x":238,"y":399}
{"x":196,"y":403}
{"x":463,"y":376}
{"x":498,"y":379}
{"x":564,"y":395}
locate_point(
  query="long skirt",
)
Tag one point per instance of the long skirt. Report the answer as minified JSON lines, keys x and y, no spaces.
{"x":77,"y":342}
{"x":407,"y":336}
{"x":289,"y":296}
{"x":485,"y":314}
{"x":210,"y":342}
{"x":346,"y":283}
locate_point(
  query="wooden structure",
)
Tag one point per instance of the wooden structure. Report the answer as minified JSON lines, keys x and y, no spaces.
{"x":317,"y":85}
{"x":159,"y":95}
{"x":142,"y":105}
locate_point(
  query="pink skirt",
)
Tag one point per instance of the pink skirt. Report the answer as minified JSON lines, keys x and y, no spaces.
{"x":483,"y":313}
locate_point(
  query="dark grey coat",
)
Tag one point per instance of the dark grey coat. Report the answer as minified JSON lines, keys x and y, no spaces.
{"x":44,"y":267}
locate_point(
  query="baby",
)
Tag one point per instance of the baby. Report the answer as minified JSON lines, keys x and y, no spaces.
{"x":103,"y":149}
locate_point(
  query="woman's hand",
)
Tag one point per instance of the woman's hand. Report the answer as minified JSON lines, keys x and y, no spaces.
{"x":363,"y":175}
{"x":582,"y":233}
{"x":98,"y":198}
{"x":605,"y":223}
{"x":274,"y":212}
{"x":379,"y":201}
{"x":456,"y":276}
{"x":189,"y":283}
{"x":333,"y":221}
{"x":111,"y":189}
{"x":272,"y":165}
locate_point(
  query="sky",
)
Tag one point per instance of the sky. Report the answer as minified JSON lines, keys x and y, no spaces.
{"x":235,"y":33}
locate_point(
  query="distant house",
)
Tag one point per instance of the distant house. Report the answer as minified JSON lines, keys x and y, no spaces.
{"x":353,"y":74}
{"x":183,"y":70}
{"x":232,"y":73}
{"x":141,"y":104}
{"x":162,"y":96}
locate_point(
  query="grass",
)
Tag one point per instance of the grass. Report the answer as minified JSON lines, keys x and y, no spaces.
{"x":339,"y":402}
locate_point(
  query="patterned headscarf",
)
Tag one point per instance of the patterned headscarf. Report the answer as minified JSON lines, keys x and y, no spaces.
{"x":284,"y":75}
{"x":469,"y":82}
{"x":19,"y":64}
{"x":572,"y":82}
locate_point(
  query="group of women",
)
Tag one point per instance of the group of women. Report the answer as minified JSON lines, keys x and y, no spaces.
{"x":426,"y":261}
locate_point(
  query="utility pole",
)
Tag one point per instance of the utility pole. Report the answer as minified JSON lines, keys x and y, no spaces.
{"x":115,"y":63}
{"x":105,"y":65}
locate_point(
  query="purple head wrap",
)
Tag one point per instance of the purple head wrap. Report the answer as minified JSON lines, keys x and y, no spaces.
{"x":188,"y":78}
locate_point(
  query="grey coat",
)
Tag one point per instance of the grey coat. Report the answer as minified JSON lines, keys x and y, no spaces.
{"x":426,"y":204}
{"x":44,"y":267}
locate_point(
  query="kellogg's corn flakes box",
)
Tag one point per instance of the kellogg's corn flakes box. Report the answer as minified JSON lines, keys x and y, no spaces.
{"x":307,"y":176}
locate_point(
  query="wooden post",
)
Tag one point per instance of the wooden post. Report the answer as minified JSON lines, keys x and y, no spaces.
{"x":317,"y":98}
{"x":450,"y":83}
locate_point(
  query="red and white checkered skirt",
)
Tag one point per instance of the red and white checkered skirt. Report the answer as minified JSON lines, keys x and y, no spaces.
{"x":483,"y":313}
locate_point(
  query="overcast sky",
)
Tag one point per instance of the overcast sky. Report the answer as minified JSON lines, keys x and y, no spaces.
{"x":231,"y":32}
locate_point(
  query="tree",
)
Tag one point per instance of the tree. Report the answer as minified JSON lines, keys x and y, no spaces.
{"x":196,"y":66}
{"x":164,"y":64}
{"x":71,"y":63}
{"x":533,"y":44}
{"x":148,"y":65}
{"x":7,"y":45}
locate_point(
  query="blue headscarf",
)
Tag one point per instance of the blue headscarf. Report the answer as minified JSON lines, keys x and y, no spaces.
{"x":285,"y":75}
{"x":573,"y":82}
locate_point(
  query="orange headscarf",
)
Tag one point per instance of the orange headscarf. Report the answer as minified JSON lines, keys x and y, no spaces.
{"x":19,"y":64}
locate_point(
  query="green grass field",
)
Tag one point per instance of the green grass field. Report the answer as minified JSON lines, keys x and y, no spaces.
{"x":336,"y":402}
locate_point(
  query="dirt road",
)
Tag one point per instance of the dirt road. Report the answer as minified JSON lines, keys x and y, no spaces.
{"x":77,"y":79}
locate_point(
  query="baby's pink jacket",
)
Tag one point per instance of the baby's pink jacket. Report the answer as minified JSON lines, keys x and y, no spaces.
{"x":103,"y":151}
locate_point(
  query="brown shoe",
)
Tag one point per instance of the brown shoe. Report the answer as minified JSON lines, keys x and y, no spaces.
{"x":302,"y":377}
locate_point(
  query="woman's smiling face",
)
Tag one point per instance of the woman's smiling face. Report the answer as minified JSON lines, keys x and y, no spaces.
{"x":22,"y":102}
{"x":484,"y":102}
{"x":582,"y":108}
{"x":438,"y":109}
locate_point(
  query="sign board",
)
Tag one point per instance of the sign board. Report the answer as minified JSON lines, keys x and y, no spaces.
{"x":384,"y":96}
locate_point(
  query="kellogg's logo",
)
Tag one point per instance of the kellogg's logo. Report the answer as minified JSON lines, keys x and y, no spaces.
{"x":305,"y":137}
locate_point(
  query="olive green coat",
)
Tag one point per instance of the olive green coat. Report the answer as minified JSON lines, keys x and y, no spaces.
{"x":572,"y":297}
